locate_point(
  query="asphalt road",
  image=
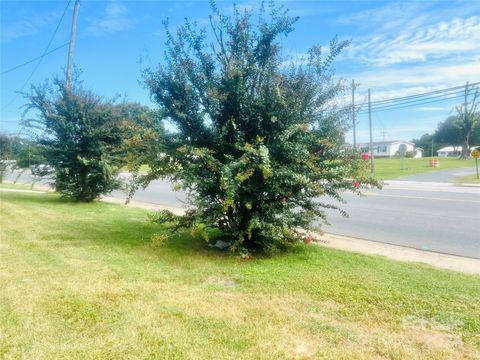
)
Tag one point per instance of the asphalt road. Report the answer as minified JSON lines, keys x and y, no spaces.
{"x":430,"y":216}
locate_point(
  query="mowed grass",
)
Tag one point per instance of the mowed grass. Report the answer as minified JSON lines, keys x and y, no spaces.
{"x":388,"y":169}
{"x":84,"y":281}
{"x":469,"y":179}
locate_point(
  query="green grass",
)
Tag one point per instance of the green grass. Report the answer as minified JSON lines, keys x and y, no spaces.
{"x":388,"y":169}
{"x":469,"y":179}
{"x":84,"y":281}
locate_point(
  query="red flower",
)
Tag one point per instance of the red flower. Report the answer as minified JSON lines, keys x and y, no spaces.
{"x":284,"y":200}
{"x":365,"y":156}
{"x":356,"y":183}
{"x":308,"y":238}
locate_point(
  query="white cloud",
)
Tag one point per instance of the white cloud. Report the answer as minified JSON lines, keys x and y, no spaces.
{"x":419,"y":78}
{"x":440,"y":41}
{"x":116,"y":19}
{"x":26,"y":27}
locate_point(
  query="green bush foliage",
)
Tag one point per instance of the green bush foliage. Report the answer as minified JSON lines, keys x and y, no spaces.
{"x":259,"y":140}
{"x":80,"y":136}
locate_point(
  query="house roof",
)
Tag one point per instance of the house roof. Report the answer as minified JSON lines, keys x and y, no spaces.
{"x":453,"y":148}
{"x":377,"y":143}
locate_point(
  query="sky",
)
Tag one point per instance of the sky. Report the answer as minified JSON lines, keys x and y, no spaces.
{"x":397,"y":48}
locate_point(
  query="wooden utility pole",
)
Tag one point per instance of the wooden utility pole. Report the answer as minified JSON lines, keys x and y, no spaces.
{"x":72,"y":45}
{"x":372,"y":163}
{"x":465,"y":150}
{"x":353,"y":116}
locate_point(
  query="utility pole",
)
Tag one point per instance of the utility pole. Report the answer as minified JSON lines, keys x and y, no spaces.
{"x":465,"y":151}
{"x":353,"y":116}
{"x":372,"y":163}
{"x":72,"y":45}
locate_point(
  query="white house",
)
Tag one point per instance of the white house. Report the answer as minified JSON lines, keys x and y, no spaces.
{"x":391,"y":148}
{"x":452,"y":151}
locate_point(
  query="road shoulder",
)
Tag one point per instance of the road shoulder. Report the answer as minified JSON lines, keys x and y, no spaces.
{"x":395,"y":252}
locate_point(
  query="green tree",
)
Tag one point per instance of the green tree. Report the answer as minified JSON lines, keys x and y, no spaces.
{"x":425,"y":142}
{"x":448,"y":133}
{"x":10,"y":146}
{"x":258,"y":143}
{"x":79,"y":135}
{"x":468,"y":117}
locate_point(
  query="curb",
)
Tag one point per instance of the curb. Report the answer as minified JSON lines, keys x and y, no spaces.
{"x":401,"y":253}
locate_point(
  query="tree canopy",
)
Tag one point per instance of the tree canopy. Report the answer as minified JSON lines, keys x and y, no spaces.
{"x":80,"y":136}
{"x":257,"y":141}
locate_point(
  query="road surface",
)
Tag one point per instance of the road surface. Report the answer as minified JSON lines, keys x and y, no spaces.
{"x":438,"y":217}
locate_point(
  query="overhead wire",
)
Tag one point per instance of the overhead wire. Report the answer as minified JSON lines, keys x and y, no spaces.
{"x":423,"y":94}
{"x":451,"y":93}
{"x":415,"y":105}
{"x":418,"y":102}
{"x":34,"y":59}
{"x":41,"y":57}
{"x":413,"y":101}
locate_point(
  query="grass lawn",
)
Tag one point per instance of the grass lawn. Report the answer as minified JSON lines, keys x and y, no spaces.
{"x":470,"y":179}
{"x":84,"y":281}
{"x":388,"y":169}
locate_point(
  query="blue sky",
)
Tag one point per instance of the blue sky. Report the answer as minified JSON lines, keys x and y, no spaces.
{"x":398,"y":48}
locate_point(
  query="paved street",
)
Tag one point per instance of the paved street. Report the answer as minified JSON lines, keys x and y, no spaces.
{"x":437,"y":218}
{"x":433,"y":216}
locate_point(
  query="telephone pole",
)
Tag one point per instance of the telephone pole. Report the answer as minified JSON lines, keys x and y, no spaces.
{"x":353,"y":115}
{"x":372,"y":163}
{"x":465,"y":152}
{"x":72,"y":45}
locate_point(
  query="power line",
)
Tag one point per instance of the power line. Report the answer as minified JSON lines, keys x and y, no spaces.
{"x":414,"y":105}
{"x":34,"y":59}
{"x":422,"y":94}
{"x":41,"y":58}
{"x":414,"y":102}
{"x":419,"y":99}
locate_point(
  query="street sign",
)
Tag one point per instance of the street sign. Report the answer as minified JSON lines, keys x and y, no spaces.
{"x":476,"y":155}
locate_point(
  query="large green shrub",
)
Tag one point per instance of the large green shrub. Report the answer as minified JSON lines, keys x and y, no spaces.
{"x":79,"y":134}
{"x":258,"y":142}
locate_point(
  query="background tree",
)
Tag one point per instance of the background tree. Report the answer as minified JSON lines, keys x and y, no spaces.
{"x":468,"y":118}
{"x":142,"y":130}
{"x":448,"y":133}
{"x":10,"y":146}
{"x":425,"y":142}
{"x":78,"y":133}
{"x":257,"y":142}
